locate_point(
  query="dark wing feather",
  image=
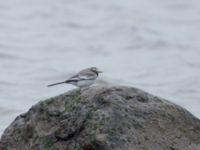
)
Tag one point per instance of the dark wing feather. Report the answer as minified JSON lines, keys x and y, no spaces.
{"x":82,"y":76}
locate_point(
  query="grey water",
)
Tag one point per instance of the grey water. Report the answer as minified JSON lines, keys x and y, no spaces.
{"x":149,"y":44}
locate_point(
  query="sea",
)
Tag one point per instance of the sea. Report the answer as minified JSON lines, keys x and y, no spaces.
{"x":153,"y":45}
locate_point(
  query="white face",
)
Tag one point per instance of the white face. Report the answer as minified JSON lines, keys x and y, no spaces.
{"x":94,"y":69}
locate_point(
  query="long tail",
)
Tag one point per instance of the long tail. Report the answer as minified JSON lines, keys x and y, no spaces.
{"x":56,"y":83}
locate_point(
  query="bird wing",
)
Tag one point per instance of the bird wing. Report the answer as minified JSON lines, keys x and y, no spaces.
{"x":73,"y":78}
{"x":83,"y":76}
{"x":87,"y":76}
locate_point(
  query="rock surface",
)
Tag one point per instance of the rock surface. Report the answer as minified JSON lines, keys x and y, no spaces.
{"x":104,"y":118}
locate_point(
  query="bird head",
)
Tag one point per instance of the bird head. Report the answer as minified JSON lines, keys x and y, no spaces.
{"x":95,"y":70}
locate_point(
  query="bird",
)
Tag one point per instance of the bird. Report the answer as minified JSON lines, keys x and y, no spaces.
{"x":84,"y":78}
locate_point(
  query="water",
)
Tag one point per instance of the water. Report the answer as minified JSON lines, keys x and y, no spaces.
{"x":149,"y":44}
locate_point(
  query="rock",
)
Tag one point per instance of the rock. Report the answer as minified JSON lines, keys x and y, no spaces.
{"x":104,"y":118}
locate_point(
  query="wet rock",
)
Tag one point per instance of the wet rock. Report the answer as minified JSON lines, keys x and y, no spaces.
{"x":104,"y":118}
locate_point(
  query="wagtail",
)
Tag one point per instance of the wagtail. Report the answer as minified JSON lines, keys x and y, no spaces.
{"x":84,"y":78}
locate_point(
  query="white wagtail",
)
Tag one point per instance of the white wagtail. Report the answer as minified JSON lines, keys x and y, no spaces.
{"x":84,"y":78}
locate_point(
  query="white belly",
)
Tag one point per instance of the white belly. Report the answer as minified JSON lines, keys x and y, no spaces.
{"x":85,"y":83}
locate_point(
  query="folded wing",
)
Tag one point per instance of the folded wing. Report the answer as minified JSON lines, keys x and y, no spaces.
{"x":81,"y":77}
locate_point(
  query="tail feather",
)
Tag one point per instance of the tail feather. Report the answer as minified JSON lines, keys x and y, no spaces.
{"x":56,"y":83}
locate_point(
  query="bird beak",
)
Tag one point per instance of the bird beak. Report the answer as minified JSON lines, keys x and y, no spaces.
{"x":100,"y":71}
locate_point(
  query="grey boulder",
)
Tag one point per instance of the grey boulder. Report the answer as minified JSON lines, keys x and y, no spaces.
{"x":104,"y":118}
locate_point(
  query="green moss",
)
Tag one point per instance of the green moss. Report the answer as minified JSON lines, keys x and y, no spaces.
{"x":157,"y":99}
{"x":111,"y":131}
{"x":172,"y":148}
{"x":73,"y":104}
{"x":70,"y":108}
{"x":97,"y":126}
{"x":49,"y":102}
{"x":48,"y":143}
